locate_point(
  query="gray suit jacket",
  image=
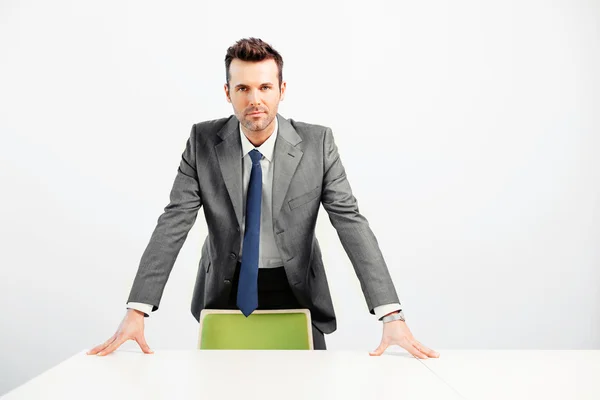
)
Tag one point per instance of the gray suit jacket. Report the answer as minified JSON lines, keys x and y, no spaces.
{"x":307,"y":172}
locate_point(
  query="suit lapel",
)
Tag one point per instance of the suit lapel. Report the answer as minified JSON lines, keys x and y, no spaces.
{"x":229,"y":154}
{"x":285,"y":161}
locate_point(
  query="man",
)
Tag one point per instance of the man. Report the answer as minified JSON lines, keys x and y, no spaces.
{"x":261,"y":179}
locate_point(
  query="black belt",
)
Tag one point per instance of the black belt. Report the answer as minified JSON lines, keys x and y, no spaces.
{"x":271,"y":282}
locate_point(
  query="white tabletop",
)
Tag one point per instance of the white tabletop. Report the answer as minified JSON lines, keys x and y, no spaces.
{"x":230,"y":374}
{"x":520,"y":374}
{"x":224,"y":374}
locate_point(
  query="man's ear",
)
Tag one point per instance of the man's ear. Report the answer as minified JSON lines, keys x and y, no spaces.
{"x":283,"y":87}
{"x":227,"y":93}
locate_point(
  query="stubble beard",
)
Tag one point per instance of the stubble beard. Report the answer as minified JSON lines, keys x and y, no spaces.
{"x":257,"y":125}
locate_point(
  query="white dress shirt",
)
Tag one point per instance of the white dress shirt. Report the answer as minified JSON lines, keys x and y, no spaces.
{"x":268,"y":254}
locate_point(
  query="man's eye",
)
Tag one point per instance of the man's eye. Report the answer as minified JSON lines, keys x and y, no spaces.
{"x":242,"y":88}
{"x":266,"y":87}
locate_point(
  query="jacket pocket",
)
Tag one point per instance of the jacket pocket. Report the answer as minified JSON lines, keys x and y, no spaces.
{"x":305,"y":198}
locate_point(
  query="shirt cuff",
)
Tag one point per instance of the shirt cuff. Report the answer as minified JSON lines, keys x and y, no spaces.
{"x":380,"y":311}
{"x":145,"y":308}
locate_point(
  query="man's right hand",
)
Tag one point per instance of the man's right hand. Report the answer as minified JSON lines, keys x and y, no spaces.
{"x":131,"y":328}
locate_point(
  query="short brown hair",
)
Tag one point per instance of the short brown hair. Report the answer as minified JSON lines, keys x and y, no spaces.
{"x":253,"y":49}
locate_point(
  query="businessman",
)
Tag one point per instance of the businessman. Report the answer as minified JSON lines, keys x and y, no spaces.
{"x":260,"y":179}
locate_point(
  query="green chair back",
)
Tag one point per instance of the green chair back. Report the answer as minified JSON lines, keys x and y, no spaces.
{"x":262,"y":330}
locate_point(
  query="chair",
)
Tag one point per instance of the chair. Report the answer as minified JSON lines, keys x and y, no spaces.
{"x":263,"y":329}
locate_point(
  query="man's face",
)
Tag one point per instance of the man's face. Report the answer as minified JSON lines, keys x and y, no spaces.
{"x":254,"y":92}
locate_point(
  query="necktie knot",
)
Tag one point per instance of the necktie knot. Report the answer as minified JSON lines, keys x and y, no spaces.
{"x":255,"y":155}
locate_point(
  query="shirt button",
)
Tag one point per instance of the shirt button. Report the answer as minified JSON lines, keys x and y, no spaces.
{"x":232,"y":256}
{"x":227,"y":281}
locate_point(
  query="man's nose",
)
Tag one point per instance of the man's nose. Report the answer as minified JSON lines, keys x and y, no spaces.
{"x":254,"y":98}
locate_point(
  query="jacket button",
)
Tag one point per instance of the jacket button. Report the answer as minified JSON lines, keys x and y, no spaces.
{"x":227,"y":281}
{"x":232,"y":256}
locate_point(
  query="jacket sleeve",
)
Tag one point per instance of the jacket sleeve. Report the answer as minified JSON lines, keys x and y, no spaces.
{"x":353,"y":229}
{"x":171,"y":231}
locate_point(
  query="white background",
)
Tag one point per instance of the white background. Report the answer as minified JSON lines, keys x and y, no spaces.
{"x":469,"y":131}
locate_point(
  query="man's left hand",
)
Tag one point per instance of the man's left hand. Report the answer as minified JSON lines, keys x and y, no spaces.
{"x":397,"y":332}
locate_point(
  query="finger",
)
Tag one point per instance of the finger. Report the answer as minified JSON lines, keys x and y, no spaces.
{"x":113,"y":346}
{"x":379,"y":351}
{"x":102,"y":346}
{"x":143,"y":345}
{"x":415,"y":351}
{"x":426,"y":350}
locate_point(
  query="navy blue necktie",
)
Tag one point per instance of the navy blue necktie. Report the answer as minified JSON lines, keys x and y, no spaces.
{"x":247,"y":296}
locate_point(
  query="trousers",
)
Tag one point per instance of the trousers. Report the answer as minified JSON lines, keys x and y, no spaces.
{"x":274,"y":293}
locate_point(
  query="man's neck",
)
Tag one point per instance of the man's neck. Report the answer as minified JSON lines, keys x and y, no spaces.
{"x":259,"y":137}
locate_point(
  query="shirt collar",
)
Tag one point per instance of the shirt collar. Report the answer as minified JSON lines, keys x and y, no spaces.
{"x":266,"y":149}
